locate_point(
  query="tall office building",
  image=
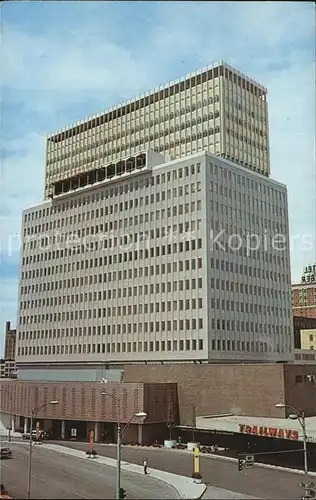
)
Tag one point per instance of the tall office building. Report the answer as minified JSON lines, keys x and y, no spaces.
{"x":146,"y":266}
{"x":139,"y":251}
{"x":217,"y":109}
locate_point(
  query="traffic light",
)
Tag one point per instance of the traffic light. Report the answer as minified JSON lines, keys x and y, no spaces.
{"x":240,"y":464}
{"x":122,"y":493}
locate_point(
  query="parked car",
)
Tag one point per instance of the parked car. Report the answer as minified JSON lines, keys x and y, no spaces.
{"x":5,"y":452}
{"x":42,"y":435}
{"x":27,"y":435}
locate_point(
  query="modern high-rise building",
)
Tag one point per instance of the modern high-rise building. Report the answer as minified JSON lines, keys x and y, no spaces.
{"x":155,"y":238}
{"x":156,"y":262}
{"x":216,"y":109}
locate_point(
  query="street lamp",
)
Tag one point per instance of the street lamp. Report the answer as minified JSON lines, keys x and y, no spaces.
{"x":300,"y":416}
{"x":34,"y":414}
{"x":10,"y":414}
{"x":120,"y":435}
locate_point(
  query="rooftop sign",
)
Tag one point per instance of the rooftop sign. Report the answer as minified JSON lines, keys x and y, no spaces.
{"x":309,"y":274}
{"x":272,"y":432}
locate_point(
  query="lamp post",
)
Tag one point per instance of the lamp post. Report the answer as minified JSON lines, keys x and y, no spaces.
{"x":34,"y":414}
{"x":120,"y":434}
{"x":10,"y":414}
{"x":300,"y":416}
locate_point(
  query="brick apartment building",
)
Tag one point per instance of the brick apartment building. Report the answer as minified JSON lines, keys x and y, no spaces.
{"x":304,"y":294}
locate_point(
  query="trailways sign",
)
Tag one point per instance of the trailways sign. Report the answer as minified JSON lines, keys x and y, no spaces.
{"x":272,"y":432}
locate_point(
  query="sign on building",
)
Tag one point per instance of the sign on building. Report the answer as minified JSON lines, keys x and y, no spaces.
{"x":309,"y":274}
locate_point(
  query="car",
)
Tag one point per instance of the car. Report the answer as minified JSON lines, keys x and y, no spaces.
{"x":5,"y":453}
{"x":27,"y":435}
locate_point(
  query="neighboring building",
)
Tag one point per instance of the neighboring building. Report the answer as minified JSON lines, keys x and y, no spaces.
{"x":217,"y":109}
{"x":7,"y":364}
{"x":304,"y":356}
{"x":126,"y":270}
{"x":304,"y":294}
{"x":9,"y":342}
{"x":7,"y":369}
{"x":300,"y":324}
{"x":308,"y":339}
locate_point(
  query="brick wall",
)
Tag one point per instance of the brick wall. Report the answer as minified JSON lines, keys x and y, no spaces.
{"x":83,"y":400}
{"x":300,"y":390}
{"x":216,"y":389}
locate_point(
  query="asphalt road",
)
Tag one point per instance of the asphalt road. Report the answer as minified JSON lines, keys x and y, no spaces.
{"x":260,"y":482}
{"x":55,"y":476}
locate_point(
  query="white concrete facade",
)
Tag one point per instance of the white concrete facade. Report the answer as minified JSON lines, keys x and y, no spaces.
{"x":125,"y":271}
{"x":216,"y":109}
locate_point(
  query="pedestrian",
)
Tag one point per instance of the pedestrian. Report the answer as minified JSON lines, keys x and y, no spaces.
{"x":145,"y":466}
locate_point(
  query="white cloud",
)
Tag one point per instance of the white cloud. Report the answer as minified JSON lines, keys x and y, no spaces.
{"x":54,"y":77}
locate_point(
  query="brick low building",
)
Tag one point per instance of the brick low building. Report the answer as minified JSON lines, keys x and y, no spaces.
{"x":240,"y":389}
{"x":84,"y":406}
{"x":213,"y":389}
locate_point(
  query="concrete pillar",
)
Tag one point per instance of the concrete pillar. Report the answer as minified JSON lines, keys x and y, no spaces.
{"x":26,"y":423}
{"x":63,"y":429}
{"x":140,"y":434}
{"x":97,"y":435}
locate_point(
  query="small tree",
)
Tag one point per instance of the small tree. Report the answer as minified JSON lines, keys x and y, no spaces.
{"x":193,"y":423}
{"x":171,"y":419}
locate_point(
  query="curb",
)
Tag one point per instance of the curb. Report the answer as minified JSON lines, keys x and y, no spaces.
{"x":182,"y":484}
{"x":232,"y":459}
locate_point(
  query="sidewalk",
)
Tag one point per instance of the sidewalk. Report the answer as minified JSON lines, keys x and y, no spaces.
{"x":214,"y":456}
{"x":185,"y":486}
{"x":213,"y":493}
{"x":4,"y":434}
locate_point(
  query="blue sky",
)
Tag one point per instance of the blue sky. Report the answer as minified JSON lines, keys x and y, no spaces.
{"x":62,"y":61}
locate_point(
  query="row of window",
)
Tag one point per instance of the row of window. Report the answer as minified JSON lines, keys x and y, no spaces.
{"x":146,"y":308}
{"x":248,"y":205}
{"x":124,"y":347}
{"x":245,"y":270}
{"x":125,"y":328}
{"x":244,"y":125}
{"x":144,"y":124}
{"x":234,"y":135}
{"x":106,"y":312}
{"x":137,"y":309}
{"x":219,"y":325}
{"x":119,"y":258}
{"x":184,"y":93}
{"x":197,"y":134}
{"x":224,"y":285}
{"x":150,"y":346}
{"x":185,"y":139}
{"x":162,"y":118}
{"x":103,"y":237}
{"x":217,"y":172}
{"x":150,"y":137}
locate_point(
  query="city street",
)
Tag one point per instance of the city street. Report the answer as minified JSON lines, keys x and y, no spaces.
{"x":259,"y":482}
{"x":59,"y":476}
